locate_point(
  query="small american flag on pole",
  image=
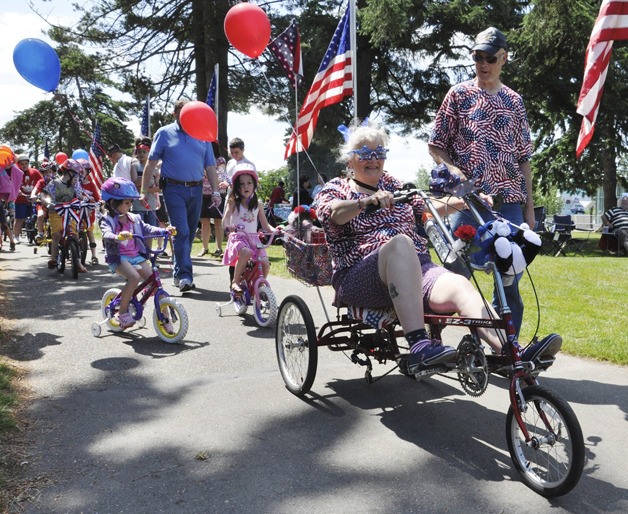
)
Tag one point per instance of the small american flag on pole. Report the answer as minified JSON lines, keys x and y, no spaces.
{"x":95,"y":157}
{"x":332,"y":83}
{"x":287,"y":49}
{"x":211,"y":92}
{"x":611,"y":25}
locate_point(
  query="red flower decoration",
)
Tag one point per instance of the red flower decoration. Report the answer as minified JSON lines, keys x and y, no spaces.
{"x":465,"y":233}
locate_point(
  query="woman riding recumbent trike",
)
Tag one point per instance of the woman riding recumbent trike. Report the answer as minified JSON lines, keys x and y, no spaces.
{"x":541,"y":427}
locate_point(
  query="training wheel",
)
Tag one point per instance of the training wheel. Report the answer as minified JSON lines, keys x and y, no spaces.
{"x":219,"y":310}
{"x":34,"y":250}
{"x":141,"y":323}
{"x":96,"y":329}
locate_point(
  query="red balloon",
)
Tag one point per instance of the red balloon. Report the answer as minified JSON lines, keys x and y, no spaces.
{"x":199,"y":121}
{"x":247,"y":28}
{"x":61,"y":158}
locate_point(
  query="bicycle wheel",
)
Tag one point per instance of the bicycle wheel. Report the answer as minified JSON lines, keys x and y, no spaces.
{"x":83,"y":244}
{"x":108,"y":312}
{"x":175,"y":327}
{"x":62,"y":255}
{"x":295,"y":343}
{"x":75,"y":257}
{"x":552,"y":465}
{"x":265,"y":307}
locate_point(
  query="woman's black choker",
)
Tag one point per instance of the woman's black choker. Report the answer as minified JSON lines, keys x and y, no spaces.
{"x":366,"y":186}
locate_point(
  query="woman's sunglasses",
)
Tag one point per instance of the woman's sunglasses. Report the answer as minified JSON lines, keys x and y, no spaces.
{"x":366,"y":154}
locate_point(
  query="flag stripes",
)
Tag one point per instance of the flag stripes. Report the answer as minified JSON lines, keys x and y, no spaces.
{"x":611,"y":25}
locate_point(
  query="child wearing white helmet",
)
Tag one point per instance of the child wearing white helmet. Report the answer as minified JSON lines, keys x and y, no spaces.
{"x":244,"y":210}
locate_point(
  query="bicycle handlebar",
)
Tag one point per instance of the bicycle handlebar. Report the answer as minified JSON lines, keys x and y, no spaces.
{"x":277,"y":233}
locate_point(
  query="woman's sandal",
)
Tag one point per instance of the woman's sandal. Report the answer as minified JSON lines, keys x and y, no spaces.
{"x":95,"y":261}
{"x":217,"y":253}
{"x":203,"y":253}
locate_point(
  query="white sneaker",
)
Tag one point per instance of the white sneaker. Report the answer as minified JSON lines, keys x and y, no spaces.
{"x":185,"y":285}
{"x":175,"y":281}
{"x":16,"y":240}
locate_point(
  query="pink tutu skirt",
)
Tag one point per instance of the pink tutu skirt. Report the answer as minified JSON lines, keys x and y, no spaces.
{"x":238,"y":241}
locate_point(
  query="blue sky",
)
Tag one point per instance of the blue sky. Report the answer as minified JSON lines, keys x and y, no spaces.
{"x":263,"y":135}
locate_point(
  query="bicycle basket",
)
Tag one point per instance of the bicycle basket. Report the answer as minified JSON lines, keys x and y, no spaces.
{"x":308,"y":262}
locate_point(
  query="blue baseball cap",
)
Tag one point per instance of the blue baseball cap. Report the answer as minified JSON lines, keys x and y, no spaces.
{"x":490,"y":41}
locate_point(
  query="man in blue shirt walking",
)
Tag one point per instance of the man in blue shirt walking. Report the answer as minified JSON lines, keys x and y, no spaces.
{"x":184,"y":159}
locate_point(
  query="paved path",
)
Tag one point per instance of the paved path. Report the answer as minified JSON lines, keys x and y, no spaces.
{"x":125,"y":423}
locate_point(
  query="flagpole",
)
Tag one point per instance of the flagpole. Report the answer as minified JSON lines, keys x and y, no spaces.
{"x":217,"y":100}
{"x":148,"y":113}
{"x":354,"y":53}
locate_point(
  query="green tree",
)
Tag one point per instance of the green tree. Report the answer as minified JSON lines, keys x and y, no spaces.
{"x":268,"y":180}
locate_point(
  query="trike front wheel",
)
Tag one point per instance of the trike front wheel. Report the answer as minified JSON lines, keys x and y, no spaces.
{"x":265,"y":306}
{"x":296,"y":345}
{"x":173,"y":326}
{"x":551,"y":463}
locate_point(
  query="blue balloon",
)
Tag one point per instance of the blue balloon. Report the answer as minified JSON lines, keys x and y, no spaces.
{"x":38,"y":63}
{"x":80,"y":154}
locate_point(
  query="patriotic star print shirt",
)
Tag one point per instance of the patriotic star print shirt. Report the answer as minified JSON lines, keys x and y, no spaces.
{"x":487,"y":136}
{"x":353,"y":241}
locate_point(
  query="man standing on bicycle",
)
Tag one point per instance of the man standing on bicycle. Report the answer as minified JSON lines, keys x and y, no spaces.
{"x":481,"y":132}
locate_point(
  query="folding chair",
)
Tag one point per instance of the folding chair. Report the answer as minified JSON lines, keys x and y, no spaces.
{"x":562,"y":239}
{"x":540,"y":227}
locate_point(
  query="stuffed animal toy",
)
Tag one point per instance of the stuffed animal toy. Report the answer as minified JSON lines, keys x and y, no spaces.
{"x":512,"y":252}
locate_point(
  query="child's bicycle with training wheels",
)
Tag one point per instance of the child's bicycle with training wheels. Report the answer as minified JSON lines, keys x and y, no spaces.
{"x":255,"y":287}
{"x":69,"y":243}
{"x":170,"y":319}
{"x":543,"y":435}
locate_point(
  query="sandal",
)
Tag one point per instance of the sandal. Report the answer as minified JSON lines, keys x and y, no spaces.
{"x":236,"y":290}
{"x":95,"y":261}
{"x":203,"y":252}
{"x":217,"y":253}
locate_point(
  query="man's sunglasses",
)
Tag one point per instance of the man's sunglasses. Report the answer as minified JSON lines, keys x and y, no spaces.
{"x":366,"y":154}
{"x":482,"y":58}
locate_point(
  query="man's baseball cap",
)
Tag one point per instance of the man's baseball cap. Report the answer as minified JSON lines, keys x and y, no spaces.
{"x":22,"y":157}
{"x":490,"y":41}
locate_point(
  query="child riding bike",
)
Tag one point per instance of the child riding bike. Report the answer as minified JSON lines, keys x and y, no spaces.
{"x":60,"y":190}
{"x":243,"y":209}
{"x":47,"y":170}
{"x":126,"y":255}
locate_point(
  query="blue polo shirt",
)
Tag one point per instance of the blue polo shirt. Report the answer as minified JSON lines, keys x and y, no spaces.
{"x":182,"y":157}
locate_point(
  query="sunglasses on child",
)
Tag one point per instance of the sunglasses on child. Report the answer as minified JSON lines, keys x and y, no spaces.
{"x":482,"y":58}
{"x":366,"y":154}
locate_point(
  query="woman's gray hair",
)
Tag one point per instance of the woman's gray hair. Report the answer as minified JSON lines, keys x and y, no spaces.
{"x":360,"y":134}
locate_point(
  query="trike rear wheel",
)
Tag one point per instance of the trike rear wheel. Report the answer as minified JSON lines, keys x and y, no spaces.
{"x":296,"y":345}
{"x":265,"y":307}
{"x":551,"y":466}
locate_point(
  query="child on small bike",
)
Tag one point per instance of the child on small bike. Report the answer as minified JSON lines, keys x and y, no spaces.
{"x":126,"y":255}
{"x":60,"y":190}
{"x":244,"y":210}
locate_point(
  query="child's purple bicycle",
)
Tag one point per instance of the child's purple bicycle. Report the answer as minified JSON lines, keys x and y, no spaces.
{"x":170,"y":319}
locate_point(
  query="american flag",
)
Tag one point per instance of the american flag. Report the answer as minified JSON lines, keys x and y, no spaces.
{"x":333,"y":81}
{"x":287,"y":50}
{"x":145,"y":125}
{"x":95,"y":157}
{"x":211,"y":92}
{"x":611,"y":24}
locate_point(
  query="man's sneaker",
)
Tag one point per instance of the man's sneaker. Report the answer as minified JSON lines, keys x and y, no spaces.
{"x":430,"y":355}
{"x":125,"y":320}
{"x":549,"y":346}
{"x":185,"y":285}
{"x":175,"y":281}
